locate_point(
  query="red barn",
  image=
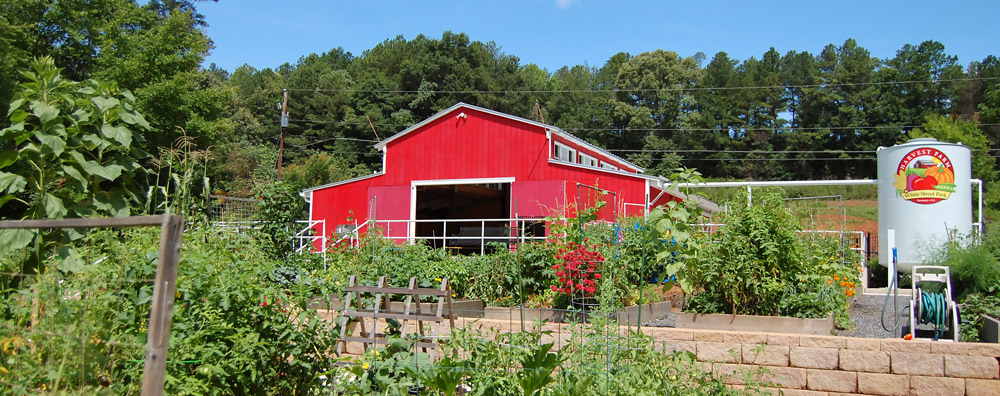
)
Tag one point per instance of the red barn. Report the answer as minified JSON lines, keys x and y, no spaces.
{"x":467,"y":162}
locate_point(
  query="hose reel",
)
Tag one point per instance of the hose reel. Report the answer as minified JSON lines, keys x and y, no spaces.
{"x":933,"y":312}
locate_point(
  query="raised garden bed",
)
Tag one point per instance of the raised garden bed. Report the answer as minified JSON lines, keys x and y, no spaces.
{"x":631,"y":314}
{"x":461,"y":307}
{"x":753,"y":323}
{"x":477,"y":309}
{"x":990,"y":331}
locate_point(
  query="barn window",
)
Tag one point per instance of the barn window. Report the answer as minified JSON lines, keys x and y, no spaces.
{"x":588,"y":160}
{"x":565,"y":152}
{"x":606,"y":165}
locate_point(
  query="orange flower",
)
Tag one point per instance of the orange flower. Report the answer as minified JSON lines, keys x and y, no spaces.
{"x":836,"y":277}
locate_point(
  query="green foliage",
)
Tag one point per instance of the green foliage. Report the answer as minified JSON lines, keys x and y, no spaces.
{"x":672,"y":236}
{"x":975,"y":267}
{"x":233,"y":332}
{"x":974,"y":307}
{"x":975,"y":276}
{"x":182,"y":185}
{"x":756,"y":254}
{"x":501,"y":277}
{"x":68,"y":151}
{"x":279,"y":207}
{"x":488,"y":363}
{"x":953,"y":130}
{"x":318,"y":169}
{"x":760,"y":265}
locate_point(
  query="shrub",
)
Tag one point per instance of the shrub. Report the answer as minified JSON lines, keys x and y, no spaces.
{"x":759,"y":264}
{"x":492,"y":363}
{"x":277,"y":212}
{"x":234,"y":330}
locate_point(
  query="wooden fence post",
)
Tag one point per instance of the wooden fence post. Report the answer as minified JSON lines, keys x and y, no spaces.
{"x":161,"y":313}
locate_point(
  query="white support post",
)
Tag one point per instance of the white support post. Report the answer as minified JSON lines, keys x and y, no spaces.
{"x":890,"y":236}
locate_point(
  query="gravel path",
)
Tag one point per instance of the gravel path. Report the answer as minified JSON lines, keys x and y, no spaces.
{"x":865,"y":312}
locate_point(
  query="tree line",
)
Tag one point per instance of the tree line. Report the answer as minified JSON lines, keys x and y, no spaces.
{"x":792,"y":116}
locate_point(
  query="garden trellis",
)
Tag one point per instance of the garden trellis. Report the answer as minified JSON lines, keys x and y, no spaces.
{"x":162,"y":298}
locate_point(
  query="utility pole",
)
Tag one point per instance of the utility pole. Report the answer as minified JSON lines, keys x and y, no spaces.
{"x":284,"y":123}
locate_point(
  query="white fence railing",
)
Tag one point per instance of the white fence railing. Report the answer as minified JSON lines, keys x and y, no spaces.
{"x":454,"y":233}
{"x":466,"y":233}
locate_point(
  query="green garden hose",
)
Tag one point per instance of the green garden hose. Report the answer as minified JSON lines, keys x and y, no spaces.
{"x":934,"y":310}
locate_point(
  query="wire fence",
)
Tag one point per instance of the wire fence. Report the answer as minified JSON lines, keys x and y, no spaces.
{"x":59,"y":328}
{"x":225,"y":209}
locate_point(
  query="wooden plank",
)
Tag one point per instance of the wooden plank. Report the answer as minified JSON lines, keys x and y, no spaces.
{"x":353,"y":280}
{"x":407,"y":305}
{"x":113,"y":222}
{"x":384,"y":341}
{"x":395,"y":315}
{"x":161,"y":313}
{"x":394,"y":290}
{"x":451,"y":310}
{"x":439,"y":314}
{"x":378,"y":304}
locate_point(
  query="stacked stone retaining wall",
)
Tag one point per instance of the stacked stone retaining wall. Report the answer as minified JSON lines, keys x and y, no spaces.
{"x":804,"y":365}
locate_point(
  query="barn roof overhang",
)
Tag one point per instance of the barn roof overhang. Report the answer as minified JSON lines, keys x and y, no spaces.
{"x":342,"y":182}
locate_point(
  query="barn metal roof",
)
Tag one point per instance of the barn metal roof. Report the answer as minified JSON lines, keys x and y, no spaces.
{"x":551,"y":128}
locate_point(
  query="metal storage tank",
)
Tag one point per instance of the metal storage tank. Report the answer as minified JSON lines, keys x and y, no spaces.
{"x":924,"y":194}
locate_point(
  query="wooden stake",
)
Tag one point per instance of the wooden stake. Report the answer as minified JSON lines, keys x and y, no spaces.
{"x":161,"y":313}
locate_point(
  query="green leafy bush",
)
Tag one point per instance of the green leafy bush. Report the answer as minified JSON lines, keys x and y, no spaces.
{"x":278,"y":209}
{"x":490,"y":363}
{"x":760,"y":264}
{"x":235,"y":331}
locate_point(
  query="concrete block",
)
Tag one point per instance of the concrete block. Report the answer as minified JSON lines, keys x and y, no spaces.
{"x":952,"y":348}
{"x":982,"y":367}
{"x":731,"y":374}
{"x":821,"y":358}
{"x":865,"y":361}
{"x":786,"y":377}
{"x":766,"y":355}
{"x":936,"y":386}
{"x":981,"y":349}
{"x":832,"y":381}
{"x":783,"y":339}
{"x":798,"y":392}
{"x":864,"y":344}
{"x":718,"y":352}
{"x":685,"y":346}
{"x":884,"y":384}
{"x":823,"y":342}
{"x":981,"y":387}
{"x":672,"y":334}
{"x":901,"y":345}
{"x":924,"y":364}
{"x":745,"y":338}
{"x":707,"y":336}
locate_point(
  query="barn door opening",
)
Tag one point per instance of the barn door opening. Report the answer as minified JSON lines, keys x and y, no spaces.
{"x":472,"y":202}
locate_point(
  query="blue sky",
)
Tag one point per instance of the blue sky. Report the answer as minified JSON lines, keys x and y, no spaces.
{"x":555,"y":33}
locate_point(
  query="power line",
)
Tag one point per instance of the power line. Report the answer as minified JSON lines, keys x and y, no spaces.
{"x":337,"y":138}
{"x":667,"y":89}
{"x":741,"y":128}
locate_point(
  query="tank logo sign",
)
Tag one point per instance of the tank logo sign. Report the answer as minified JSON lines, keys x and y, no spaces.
{"x":925,"y":176}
